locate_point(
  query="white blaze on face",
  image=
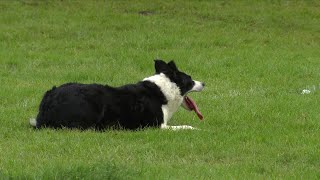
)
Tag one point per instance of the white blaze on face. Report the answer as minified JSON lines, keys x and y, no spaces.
{"x":198,"y":86}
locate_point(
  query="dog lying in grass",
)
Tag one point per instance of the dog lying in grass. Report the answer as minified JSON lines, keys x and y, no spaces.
{"x":148,"y":103}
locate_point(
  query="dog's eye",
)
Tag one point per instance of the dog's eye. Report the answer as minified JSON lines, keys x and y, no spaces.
{"x":189,"y":83}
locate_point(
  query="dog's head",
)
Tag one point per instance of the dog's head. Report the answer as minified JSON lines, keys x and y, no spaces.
{"x":183,"y":81}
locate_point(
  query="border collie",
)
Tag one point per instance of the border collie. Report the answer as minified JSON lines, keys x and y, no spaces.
{"x":149,"y":103}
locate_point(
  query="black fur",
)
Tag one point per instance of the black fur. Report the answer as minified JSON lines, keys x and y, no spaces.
{"x":133,"y":106}
{"x":183,"y":81}
{"x":96,"y":106}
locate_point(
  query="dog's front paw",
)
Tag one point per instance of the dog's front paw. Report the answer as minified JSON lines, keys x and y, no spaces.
{"x":181,"y":127}
{"x":187,"y":127}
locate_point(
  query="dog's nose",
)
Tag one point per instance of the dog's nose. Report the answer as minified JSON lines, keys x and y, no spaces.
{"x":203,"y":84}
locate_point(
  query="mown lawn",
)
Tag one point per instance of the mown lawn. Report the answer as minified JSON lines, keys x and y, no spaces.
{"x":255,"y":57}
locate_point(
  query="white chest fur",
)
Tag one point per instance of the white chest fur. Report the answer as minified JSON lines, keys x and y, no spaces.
{"x":172,"y":93}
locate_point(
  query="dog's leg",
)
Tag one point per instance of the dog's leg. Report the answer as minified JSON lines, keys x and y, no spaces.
{"x":33,"y":122}
{"x":174,"y":128}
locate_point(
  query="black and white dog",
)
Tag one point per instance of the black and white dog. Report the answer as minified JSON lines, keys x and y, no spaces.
{"x":149,"y":103}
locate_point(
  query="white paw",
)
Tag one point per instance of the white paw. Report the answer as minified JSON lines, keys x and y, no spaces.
{"x":180,"y":127}
{"x":187,"y":127}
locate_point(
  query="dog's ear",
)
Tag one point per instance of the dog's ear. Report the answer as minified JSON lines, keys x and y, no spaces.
{"x":172,"y":65}
{"x":160,"y":66}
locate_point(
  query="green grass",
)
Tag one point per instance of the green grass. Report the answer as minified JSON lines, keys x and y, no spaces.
{"x":254,"y":56}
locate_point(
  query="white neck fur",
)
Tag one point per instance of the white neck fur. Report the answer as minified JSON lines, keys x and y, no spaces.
{"x":172,"y":93}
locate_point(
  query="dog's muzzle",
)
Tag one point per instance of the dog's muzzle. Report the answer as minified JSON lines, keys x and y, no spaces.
{"x":198,"y":86}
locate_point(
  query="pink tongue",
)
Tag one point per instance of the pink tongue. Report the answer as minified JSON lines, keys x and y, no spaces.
{"x":193,"y":106}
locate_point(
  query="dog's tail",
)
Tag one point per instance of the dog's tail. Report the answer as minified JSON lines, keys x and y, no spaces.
{"x":33,"y":122}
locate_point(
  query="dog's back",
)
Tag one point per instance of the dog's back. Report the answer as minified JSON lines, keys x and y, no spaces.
{"x":72,"y":105}
{"x":95,"y":106}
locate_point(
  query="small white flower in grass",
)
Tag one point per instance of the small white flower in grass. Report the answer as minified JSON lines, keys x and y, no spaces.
{"x":306,"y":91}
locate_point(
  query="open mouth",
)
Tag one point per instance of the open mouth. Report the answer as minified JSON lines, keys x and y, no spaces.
{"x":190,"y":105}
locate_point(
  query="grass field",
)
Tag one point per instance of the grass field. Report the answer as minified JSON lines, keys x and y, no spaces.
{"x":254,"y":56}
